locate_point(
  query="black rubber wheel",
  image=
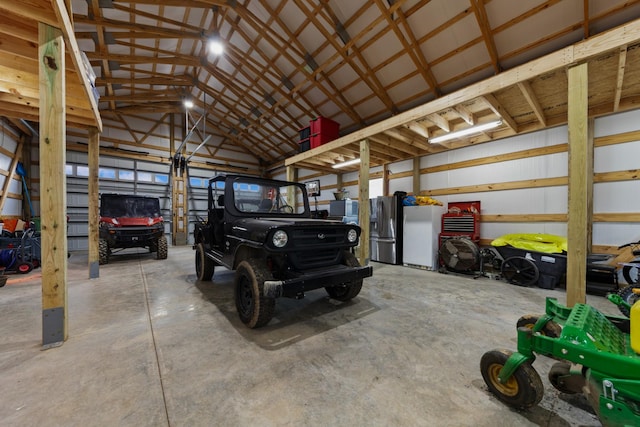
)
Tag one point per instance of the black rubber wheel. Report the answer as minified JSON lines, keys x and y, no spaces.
{"x":24,"y":267}
{"x":253,"y":307}
{"x":103,"y":250}
{"x":204,"y":265}
{"x":631,"y":274}
{"x":550,"y":329}
{"x":523,"y":389}
{"x":557,"y":375}
{"x":349,"y":290}
{"x":520,"y":271}
{"x":629,"y":297}
{"x":162,"y":248}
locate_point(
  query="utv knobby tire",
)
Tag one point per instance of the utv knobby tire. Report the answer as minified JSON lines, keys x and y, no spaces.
{"x":253,"y":307}
{"x":349,"y":290}
{"x":204,"y":265}
{"x":103,"y":251}
{"x":523,"y":389}
{"x":162,"y":248}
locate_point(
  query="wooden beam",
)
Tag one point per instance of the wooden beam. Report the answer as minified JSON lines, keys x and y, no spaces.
{"x":363,"y":199}
{"x":53,"y":192}
{"x":65,"y":25}
{"x":622,"y":62}
{"x":580,"y":191}
{"x":587,"y":49}
{"x":94,"y":213}
{"x":532,"y":100}
{"x":499,"y":109}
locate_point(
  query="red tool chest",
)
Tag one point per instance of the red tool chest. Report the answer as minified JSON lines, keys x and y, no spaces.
{"x":461,"y":220}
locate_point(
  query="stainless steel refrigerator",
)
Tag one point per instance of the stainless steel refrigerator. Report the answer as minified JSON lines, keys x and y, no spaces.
{"x":386,"y":229}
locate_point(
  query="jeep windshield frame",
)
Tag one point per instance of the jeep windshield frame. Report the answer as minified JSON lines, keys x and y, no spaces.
{"x":246,"y":196}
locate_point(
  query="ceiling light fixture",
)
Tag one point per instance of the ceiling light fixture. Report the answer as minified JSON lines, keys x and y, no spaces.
{"x":216,"y":47}
{"x":345,"y":164}
{"x":465,"y":132}
{"x":188,"y":104}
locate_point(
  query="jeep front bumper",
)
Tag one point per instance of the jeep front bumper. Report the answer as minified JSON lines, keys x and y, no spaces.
{"x":308,"y":281}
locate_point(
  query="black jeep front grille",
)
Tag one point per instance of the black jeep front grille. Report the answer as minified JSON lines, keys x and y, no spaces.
{"x":317,"y":247}
{"x":318,"y":236}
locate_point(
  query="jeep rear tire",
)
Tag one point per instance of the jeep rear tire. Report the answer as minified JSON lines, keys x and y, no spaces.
{"x":103,"y":251}
{"x":204,"y":265}
{"x":349,"y":290}
{"x":253,"y":307}
{"x":162,"y":248}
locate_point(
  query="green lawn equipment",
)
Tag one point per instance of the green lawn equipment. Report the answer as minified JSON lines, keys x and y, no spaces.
{"x":594,"y":357}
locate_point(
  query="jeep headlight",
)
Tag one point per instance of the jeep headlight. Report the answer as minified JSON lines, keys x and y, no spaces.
{"x":280,"y":239}
{"x":352,"y":235}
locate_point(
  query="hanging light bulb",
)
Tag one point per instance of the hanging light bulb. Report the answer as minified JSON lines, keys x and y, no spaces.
{"x":216,"y":47}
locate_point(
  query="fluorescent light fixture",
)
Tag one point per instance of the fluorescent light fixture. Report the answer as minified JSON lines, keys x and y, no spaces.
{"x":465,"y":132}
{"x":216,"y":47}
{"x":345,"y":164}
{"x":188,"y":104}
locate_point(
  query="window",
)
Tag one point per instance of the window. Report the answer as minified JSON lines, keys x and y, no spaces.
{"x":145,"y":176}
{"x":82,"y":171}
{"x":125,"y":175}
{"x":68,"y":170}
{"x":162,"y":178}
{"x":107,"y":173}
{"x":196,"y":182}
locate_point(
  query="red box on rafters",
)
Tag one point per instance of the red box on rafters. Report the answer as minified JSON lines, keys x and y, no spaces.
{"x":323,"y":130}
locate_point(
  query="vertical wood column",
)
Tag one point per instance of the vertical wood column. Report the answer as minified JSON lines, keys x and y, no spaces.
{"x":179,"y":182}
{"x":53,"y":192}
{"x":363,"y":201}
{"x":580,"y":184}
{"x":94,"y":213}
{"x":416,"y":176}
{"x":292,"y":176}
{"x":385,"y":179}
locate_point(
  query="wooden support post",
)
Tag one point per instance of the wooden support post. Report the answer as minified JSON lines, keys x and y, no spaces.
{"x":179,"y":196}
{"x":580,"y":184}
{"x":53,"y":192}
{"x":416,"y":176}
{"x":292,"y":176}
{"x":94,"y":213}
{"x":385,"y":180}
{"x":363,"y":201}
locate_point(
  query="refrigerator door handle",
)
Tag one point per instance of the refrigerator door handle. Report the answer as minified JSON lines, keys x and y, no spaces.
{"x":386,"y":240}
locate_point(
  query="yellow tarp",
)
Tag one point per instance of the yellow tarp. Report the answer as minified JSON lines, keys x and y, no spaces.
{"x":547,"y":243}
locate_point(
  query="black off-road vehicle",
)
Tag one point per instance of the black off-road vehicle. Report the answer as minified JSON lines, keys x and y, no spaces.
{"x":263,"y":230}
{"x":128,"y":221}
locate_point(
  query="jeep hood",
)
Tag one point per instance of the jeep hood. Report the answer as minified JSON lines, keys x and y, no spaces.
{"x":256,"y":229}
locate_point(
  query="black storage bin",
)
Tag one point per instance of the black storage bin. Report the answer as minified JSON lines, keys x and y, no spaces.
{"x":552,"y":267}
{"x":305,"y":133}
{"x":305,"y":145}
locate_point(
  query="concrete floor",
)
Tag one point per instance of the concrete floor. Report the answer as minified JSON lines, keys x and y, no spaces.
{"x":148,"y":346}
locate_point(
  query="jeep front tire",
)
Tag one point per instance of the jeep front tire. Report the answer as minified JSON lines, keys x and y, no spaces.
{"x":349,"y":290}
{"x":204,"y":265}
{"x":253,"y":307}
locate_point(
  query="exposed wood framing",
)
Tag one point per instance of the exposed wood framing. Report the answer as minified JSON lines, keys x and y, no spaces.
{"x":580,"y":185}
{"x":53,"y":186}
